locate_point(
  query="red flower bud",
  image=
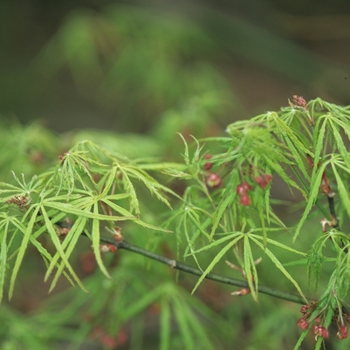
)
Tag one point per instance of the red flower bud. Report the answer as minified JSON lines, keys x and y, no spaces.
{"x":304,"y":309}
{"x":243,"y":291}
{"x":105,"y":248}
{"x":320,"y":331}
{"x":243,"y":188}
{"x":267,"y":178}
{"x":302,"y":323}
{"x":245,"y":200}
{"x":208,"y":165}
{"x":214,"y":180}
{"x":263,"y":181}
{"x":343,"y":332}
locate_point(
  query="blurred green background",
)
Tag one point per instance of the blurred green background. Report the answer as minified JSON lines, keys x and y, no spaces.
{"x":122,"y":65}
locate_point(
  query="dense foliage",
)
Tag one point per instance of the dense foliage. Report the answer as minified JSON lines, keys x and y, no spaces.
{"x":213,"y":205}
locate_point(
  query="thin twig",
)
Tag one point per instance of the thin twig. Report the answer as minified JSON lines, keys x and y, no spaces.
{"x":194,"y":271}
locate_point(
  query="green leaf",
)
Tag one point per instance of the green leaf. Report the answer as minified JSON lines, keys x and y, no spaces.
{"x":342,"y":190}
{"x":95,"y":234}
{"x":23,"y":248}
{"x":68,"y":245}
{"x":248,"y":261}
{"x":55,"y":240}
{"x":314,"y":190}
{"x":71,"y":209}
{"x":279,"y":266}
{"x":217,"y":258}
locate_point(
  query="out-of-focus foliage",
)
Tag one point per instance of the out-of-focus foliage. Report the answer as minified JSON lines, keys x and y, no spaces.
{"x":135,"y":62}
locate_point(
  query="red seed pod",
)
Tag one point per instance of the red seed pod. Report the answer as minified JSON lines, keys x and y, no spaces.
{"x":245,"y":200}
{"x":214,"y":180}
{"x":302,"y":323}
{"x":208,"y":156}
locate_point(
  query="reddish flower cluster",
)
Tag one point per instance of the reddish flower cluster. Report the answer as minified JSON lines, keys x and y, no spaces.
{"x":343,"y":332}
{"x":242,"y":190}
{"x":320,"y":331}
{"x":302,"y":323}
{"x":263,"y":181}
{"x":298,"y":101}
{"x":214,"y":180}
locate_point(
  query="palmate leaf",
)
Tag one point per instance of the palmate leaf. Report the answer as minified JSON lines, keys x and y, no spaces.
{"x":129,"y":188}
{"x":277,"y":244}
{"x":132,"y":218}
{"x":279,"y":265}
{"x":214,"y":243}
{"x":68,"y":246}
{"x":55,"y":240}
{"x":217,"y":258}
{"x":154,"y":186}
